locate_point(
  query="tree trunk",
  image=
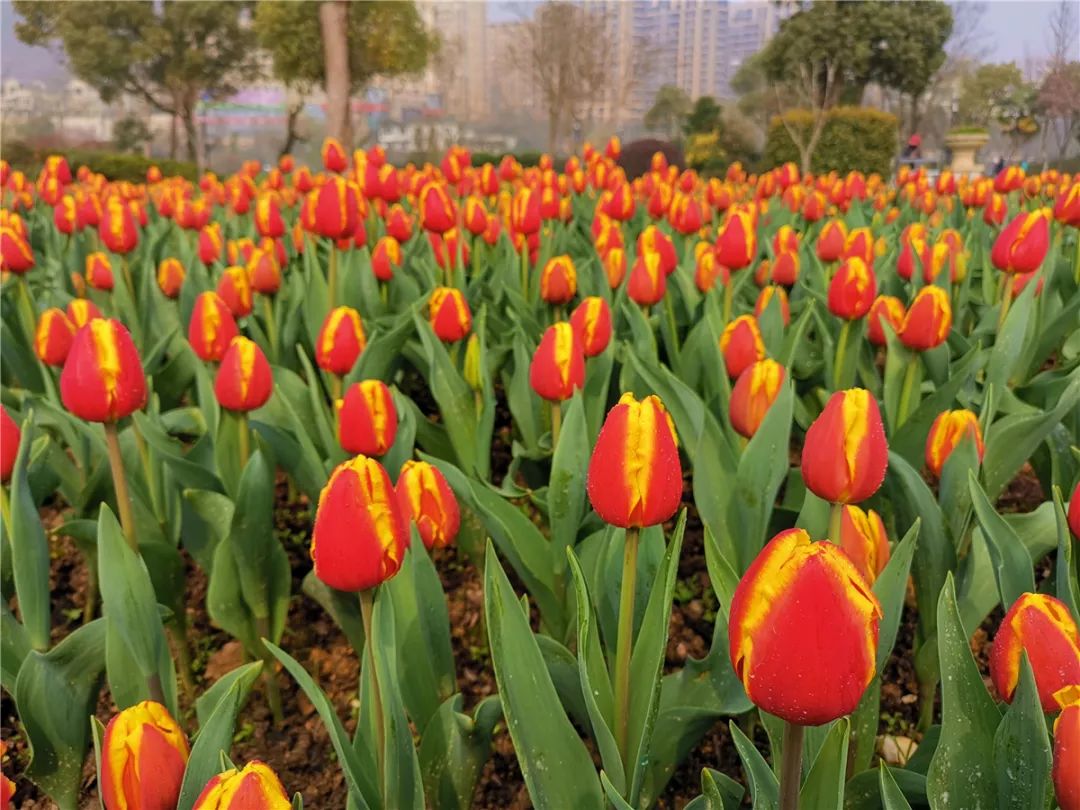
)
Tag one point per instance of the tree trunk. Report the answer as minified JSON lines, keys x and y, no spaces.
{"x":334,"y":20}
{"x":174,"y":137}
{"x":554,"y":122}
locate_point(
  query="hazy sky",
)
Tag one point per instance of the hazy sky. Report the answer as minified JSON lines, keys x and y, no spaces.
{"x":1013,"y":30}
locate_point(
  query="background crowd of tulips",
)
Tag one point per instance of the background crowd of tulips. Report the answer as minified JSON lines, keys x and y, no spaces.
{"x":830,"y":380}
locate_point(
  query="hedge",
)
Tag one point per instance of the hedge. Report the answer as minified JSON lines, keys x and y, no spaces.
{"x":853,"y":139}
{"x":114,"y":165}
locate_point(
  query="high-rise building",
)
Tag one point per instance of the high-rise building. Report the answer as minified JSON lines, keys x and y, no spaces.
{"x":458,"y":73}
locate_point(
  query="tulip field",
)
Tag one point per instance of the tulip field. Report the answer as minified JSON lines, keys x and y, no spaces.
{"x":365,"y":486}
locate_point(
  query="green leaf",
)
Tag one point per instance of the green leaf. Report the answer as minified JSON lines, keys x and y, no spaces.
{"x":1008,"y":348}
{"x":216,"y":734}
{"x":616,"y":801}
{"x":453,"y":750}
{"x":954,"y":495}
{"x":344,"y":608}
{"x":1065,"y":584}
{"x":54,"y":694}
{"x":721,"y":792}
{"x":960,"y":773}
{"x":891,"y":589}
{"x":557,"y":768}
{"x":566,"y":486}
{"x":824,"y":784}
{"x":764,"y":788}
{"x":1022,"y":752}
{"x":14,"y":646}
{"x":1012,"y":564}
{"x":29,"y":548}
{"x":892,"y":798}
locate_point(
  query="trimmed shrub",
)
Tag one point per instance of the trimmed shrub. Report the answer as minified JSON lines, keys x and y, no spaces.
{"x":636,"y":157}
{"x":853,"y":139}
{"x":114,"y":165}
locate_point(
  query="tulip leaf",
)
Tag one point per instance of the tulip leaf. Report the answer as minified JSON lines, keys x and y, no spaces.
{"x":613,"y":797}
{"x":53,"y":693}
{"x":557,"y":768}
{"x":892,"y":798}
{"x":824,"y":784}
{"x":362,"y":789}
{"x":891,"y":589}
{"x":715,"y":466}
{"x":1065,"y":583}
{"x":323,"y":422}
{"x":29,"y":548}
{"x":720,"y":791}
{"x":383,"y":350}
{"x":764,"y":787}
{"x":1022,"y":752}
{"x":960,"y":773}
{"x":1008,"y":349}
{"x":188,"y":473}
{"x":1012,"y":564}
{"x":216,"y":733}
{"x":523,"y":403}
{"x":14,"y":647}
{"x":137,"y":655}
{"x":954,"y":494}
{"x":343,"y":608}
{"x":421,"y":622}
{"x":566,"y":488}
{"x":453,"y":750}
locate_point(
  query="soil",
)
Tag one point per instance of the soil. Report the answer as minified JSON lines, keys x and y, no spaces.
{"x":302,"y":754}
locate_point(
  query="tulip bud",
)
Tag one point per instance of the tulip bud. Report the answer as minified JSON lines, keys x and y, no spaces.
{"x":99,"y":273}
{"x":831,"y":241}
{"x":360,"y":533}
{"x":928,"y":320}
{"x":886,"y":307}
{"x":335,"y":211}
{"x":806,"y":678}
{"x":212,"y":327}
{"x":16,"y":256}
{"x":845,"y":454}
{"x":1023,"y":243}
{"x":558,"y":280}
{"x":766,"y":295}
{"x":255,"y":787}
{"x":117,"y":227}
{"x":948,"y":430}
{"x":81,"y":311}
{"x":558,"y":366}
{"x":449,"y":312}
{"x":852,"y":289}
{"x":53,"y":337}
{"x":340,"y":342}
{"x":210,"y":244}
{"x":244,"y":381}
{"x":863,"y":539}
{"x":707,"y":270}
{"x":170,"y":277}
{"x":592,"y":322}
{"x":615,"y":266}
{"x":1041,"y":626}
{"x":785,"y":268}
{"x":736,"y":242}
{"x":234,"y":287}
{"x":1067,"y":205}
{"x":264,"y":271}
{"x":426,"y":498}
{"x":103,"y":378}
{"x":635,"y":476}
{"x":753,"y":395}
{"x":525,"y":211}
{"x":1066,"y":771}
{"x":367,"y":419}
{"x":268,"y":221}
{"x":1074,"y":511}
{"x":386,"y":258}
{"x":333,"y":156}
{"x":10,"y":436}
{"x":143,"y":757}
{"x":647,"y":283}
{"x":438,"y":213}
{"x":741,"y":345}
{"x":654,"y":240}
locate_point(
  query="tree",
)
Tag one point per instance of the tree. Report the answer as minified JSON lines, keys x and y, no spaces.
{"x":564,"y":52}
{"x":130,"y":134}
{"x":169,"y":54}
{"x":706,"y":116}
{"x":985,"y":90}
{"x":334,"y":27}
{"x":382,"y":39}
{"x":669,"y":111}
{"x":1059,"y":101}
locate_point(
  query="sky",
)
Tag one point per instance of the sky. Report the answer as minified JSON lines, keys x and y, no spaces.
{"x":1013,"y":30}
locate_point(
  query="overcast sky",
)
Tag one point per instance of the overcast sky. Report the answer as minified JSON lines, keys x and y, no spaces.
{"x":1014,"y":30}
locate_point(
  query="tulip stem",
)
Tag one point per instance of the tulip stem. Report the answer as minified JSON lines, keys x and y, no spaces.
{"x":245,"y":439}
{"x":271,"y":325}
{"x":728,"y":296}
{"x":5,"y":511}
{"x":331,"y":275}
{"x":836,"y":515}
{"x":525,"y":271}
{"x":273,"y":690}
{"x":625,"y":641}
{"x":556,"y":421}
{"x":1006,"y":300}
{"x":791,"y":767}
{"x":907,"y":390}
{"x":367,"y":602}
{"x":335,"y":388}
{"x":26,"y":308}
{"x":841,"y":351}
{"x":127,"y":275}
{"x":669,"y":311}
{"x":123,"y":497}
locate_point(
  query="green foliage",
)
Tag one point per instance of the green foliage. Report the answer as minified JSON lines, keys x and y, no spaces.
{"x":385,"y":39}
{"x":853,"y":139}
{"x":130,"y":134}
{"x":705,"y":116}
{"x":669,"y":111}
{"x":986,"y":92}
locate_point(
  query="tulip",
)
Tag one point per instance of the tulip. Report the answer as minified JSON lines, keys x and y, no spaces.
{"x":449,"y":312}
{"x":766,"y":295}
{"x":255,"y":787}
{"x":615,"y":266}
{"x":845,"y":454}
{"x":53,"y":336}
{"x":1042,"y":627}
{"x":558,"y":366}
{"x":264,"y":271}
{"x":592,"y":322}
{"x":948,"y":430}
{"x":360,"y":533}
{"x":635,"y":477}
{"x":525,"y":211}
{"x":803,"y":631}
{"x":386,"y":258}
{"x":831,"y":241}
{"x":741,"y":345}
{"x":117,"y":227}
{"x":243,"y":381}
{"x":1066,"y":772}
{"x":234,"y":288}
{"x":335,"y":212}
{"x":210,"y":244}
{"x":736,"y":242}
{"x":333,"y":156}
{"x":10,"y":436}
{"x":143,"y":757}
{"x":785,"y":268}
{"x":852,"y":289}
{"x":1074,"y":511}
{"x":367,"y":419}
{"x":103,"y":378}
{"x":268,"y":221}
{"x":438,"y":213}
{"x":1023,"y":243}
{"x":654,"y":240}
{"x":863,"y":539}
{"x":399,"y":224}
{"x":753,"y":395}
{"x":928,"y":320}
{"x":426,"y":498}
{"x":211,"y":328}
{"x":886,"y":307}
{"x":1067,"y":205}
{"x":81,"y":311}
{"x":16,"y":256}
{"x":170,"y":277}
{"x":859,"y":243}
{"x":707,"y":270}
{"x":558,"y":280}
{"x":647,"y":284}
{"x":340,"y":342}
